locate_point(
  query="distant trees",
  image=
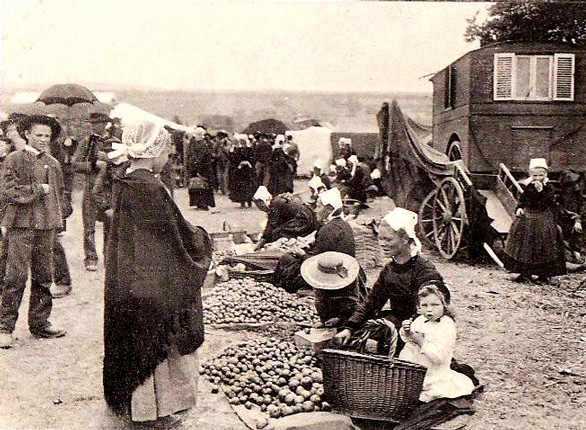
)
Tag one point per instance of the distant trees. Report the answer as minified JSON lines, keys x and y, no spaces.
{"x":531,"y":21}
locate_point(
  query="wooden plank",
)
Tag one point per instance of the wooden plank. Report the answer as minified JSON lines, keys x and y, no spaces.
{"x":502,"y":220}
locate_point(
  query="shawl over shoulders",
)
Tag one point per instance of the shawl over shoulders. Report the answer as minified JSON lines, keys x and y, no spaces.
{"x":156,"y":263}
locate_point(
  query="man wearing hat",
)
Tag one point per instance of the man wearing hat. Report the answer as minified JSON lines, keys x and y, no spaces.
{"x":32,"y":186}
{"x":262,"y":154}
{"x":85,"y":162}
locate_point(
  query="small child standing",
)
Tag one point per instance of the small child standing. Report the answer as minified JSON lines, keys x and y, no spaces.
{"x":534,"y":244}
{"x":430,"y":340}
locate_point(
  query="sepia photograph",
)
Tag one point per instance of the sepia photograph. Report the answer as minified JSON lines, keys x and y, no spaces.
{"x":292,"y":215}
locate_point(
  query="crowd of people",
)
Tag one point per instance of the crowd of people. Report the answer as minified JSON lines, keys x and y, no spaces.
{"x":235,"y":166}
{"x":156,"y":261}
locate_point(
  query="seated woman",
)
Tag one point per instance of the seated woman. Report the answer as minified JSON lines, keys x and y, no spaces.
{"x":400,"y":279}
{"x":334,"y":277}
{"x":287,"y":216}
{"x":334,"y":234}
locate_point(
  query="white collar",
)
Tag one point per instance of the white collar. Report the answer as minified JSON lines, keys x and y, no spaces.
{"x":32,"y":150}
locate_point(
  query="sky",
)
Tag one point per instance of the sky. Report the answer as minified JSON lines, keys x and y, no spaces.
{"x":232,"y":45}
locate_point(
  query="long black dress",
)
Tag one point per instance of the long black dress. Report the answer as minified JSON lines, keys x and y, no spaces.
{"x":242,"y":182}
{"x":281,"y":171}
{"x":156,"y":263}
{"x":199,"y":164}
{"x":534,"y":244}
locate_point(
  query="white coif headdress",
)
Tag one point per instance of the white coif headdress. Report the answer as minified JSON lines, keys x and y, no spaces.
{"x":332,"y":197}
{"x":262,"y":193}
{"x":538,"y":162}
{"x":403,"y":219}
{"x":144,"y":140}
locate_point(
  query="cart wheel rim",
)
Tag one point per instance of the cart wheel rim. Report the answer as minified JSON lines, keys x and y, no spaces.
{"x":449,"y":217}
{"x":425,"y":220}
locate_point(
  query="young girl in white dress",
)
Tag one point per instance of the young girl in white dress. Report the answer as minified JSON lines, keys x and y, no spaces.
{"x":430,"y":340}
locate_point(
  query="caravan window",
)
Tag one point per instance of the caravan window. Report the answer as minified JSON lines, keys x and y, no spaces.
{"x":534,"y":77}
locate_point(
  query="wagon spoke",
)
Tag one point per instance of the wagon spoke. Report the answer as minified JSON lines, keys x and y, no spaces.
{"x":452,"y":240}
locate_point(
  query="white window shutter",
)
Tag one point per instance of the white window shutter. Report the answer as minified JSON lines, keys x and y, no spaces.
{"x":563,"y":77}
{"x":503,"y":76}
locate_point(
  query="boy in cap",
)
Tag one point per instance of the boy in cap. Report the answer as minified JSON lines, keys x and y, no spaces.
{"x":32,"y":184}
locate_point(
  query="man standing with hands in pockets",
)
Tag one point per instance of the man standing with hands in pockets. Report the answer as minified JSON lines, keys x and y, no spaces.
{"x":31,"y":185}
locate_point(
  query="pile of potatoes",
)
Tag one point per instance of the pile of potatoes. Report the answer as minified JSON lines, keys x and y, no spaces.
{"x":249,"y":301}
{"x":271,"y":374}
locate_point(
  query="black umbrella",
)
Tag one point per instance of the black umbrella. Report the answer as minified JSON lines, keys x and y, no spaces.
{"x":267,"y":126}
{"x":67,"y":94}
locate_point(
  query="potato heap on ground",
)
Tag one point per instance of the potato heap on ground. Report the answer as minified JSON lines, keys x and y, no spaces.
{"x":271,"y":374}
{"x":248,"y":301}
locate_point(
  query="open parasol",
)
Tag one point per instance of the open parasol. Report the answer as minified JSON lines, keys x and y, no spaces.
{"x":267,"y":126}
{"x":67,"y":94}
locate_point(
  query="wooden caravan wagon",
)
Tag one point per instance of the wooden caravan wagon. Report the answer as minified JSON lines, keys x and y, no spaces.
{"x":494,"y":109}
{"x":510,"y":102}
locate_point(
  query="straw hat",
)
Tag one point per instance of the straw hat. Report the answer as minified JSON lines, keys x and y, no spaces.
{"x":330,"y":270}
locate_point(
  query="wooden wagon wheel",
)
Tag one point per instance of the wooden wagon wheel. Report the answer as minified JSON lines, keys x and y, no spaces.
{"x":449,"y":217}
{"x":425,"y":223}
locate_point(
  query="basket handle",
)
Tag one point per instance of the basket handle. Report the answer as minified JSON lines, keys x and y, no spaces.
{"x":372,"y":328}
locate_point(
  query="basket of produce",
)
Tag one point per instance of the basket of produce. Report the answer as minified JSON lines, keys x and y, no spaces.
{"x":371,"y":386}
{"x":259,"y":275}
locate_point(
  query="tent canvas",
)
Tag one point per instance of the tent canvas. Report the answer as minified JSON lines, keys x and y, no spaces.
{"x":130,"y":114}
{"x":405,"y":161}
{"x":314,"y":144}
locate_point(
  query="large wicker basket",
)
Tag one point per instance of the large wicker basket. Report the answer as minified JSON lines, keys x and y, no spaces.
{"x":370,"y":387}
{"x":259,"y":275}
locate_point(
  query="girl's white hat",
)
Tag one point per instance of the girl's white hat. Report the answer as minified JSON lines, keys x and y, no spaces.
{"x":538,"y":162}
{"x":332,"y":197}
{"x":146,"y":139}
{"x":262,"y":194}
{"x":316,"y":183}
{"x":353,"y":159}
{"x":403,"y":219}
{"x":341,"y":162}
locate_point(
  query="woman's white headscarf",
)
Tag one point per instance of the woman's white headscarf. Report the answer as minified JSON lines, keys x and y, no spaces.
{"x":262,"y":193}
{"x":402,"y":219}
{"x":142,"y":140}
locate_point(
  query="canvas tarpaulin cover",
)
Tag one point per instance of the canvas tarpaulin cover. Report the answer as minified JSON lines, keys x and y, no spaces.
{"x":411,"y":169}
{"x":406,"y":162}
{"x":314,"y":144}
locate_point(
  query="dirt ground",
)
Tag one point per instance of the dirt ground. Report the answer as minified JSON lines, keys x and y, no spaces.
{"x":526,"y":342}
